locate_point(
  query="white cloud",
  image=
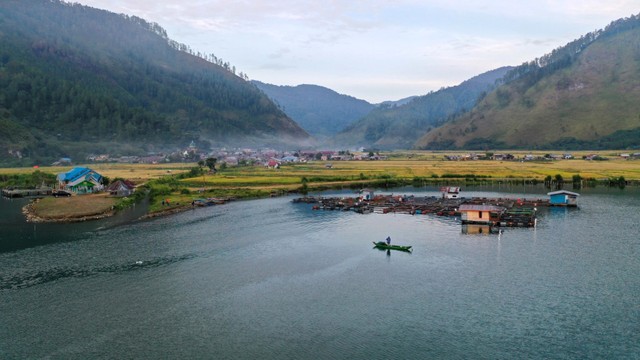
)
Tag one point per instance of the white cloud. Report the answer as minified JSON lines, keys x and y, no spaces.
{"x":379,"y":49}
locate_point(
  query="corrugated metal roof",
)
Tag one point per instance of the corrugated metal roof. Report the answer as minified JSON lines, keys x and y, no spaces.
{"x":559,"y":192}
{"x":472,"y":207}
{"x":78,"y":172}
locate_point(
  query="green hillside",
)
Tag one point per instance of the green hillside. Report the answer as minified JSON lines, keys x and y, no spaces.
{"x":77,"y":80}
{"x":320,"y":111}
{"x":395,"y":127}
{"x":583,"y":95}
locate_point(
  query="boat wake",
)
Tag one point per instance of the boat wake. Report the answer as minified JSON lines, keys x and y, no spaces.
{"x":26,"y":279}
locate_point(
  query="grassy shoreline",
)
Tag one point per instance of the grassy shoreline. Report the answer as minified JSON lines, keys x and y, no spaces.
{"x":183,"y":183}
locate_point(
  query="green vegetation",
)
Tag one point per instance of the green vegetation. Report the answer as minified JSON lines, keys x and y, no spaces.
{"x":27,"y":180}
{"x":186,"y":182}
{"x":320,"y":111}
{"x":76,"y":80}
{"x":248,"y":182}
{"x":580,"y":96}
{"x":400,"y":126}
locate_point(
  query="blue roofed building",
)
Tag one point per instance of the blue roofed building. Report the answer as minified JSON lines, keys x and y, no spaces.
{"x":80,"y":180}
{"x":563,"y":198}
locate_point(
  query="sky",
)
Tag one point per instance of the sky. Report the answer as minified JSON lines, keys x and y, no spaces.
{"x":374,"y":50}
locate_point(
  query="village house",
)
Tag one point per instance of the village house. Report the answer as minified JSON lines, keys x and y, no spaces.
{"x":80,"y":180}
{"x":498,"y":157}
{"x":231,"y":160}
{"x":273,"y":164}
{"x":65,"y":161}
{"x":450,"y":192}
{"x":480,"y":214}
{"x":121,"y":188}
{"x":152,"y":159}
{"x":127,"y":159}
{"x":98,"y":158}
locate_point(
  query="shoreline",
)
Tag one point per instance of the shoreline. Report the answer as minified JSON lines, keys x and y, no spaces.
{"x":32,"y":217}
{"x":166,"y":212}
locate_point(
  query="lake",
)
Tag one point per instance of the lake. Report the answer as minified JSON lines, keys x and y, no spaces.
{"x":270,"y":279}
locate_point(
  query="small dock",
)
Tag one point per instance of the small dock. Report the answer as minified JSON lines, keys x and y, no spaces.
{"x":498,"y":212}
{"x":22,"y":193}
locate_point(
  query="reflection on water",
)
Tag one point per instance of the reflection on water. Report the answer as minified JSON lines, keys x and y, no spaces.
{"x":474,"y":229}
{"x":268,"y":279}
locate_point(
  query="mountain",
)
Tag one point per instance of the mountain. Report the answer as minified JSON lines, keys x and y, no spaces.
{"x":399,"y":126}
{"x":390,"y":103}
{"x":583,"y":95}
{"x":75,"y":80}
{"x":320,"y":111}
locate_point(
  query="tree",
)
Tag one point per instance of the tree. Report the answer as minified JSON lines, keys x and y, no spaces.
{"x":547,"y":181}
{"x":559,"y":179}
{"x":211,"y":163}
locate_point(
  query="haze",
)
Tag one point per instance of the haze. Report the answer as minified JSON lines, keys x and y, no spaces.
{"x":373,"y":50}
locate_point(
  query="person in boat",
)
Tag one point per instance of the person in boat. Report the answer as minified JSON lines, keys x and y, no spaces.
{"x":388,"y":240}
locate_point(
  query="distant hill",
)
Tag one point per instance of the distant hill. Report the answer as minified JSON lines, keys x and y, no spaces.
{"x":322,"y":112}
{"x":390,"y":103}
{"x":399,"y":126}
{"x":75,"y":80}
{"x":584,"y":95}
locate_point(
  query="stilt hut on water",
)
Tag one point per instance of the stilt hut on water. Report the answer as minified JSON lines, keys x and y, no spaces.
{"x":563,"y":198}
{"x":480,"y":214}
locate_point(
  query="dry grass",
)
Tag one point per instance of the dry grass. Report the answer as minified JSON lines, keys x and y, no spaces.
{"x":258,"y":181}
{"x":405,"y":165}
{"x":437,"y":166}
{"x":73,"y":207}
{"x":138,"y":173}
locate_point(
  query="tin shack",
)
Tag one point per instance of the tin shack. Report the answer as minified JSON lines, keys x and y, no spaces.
{"x":480,"y":214}
{"x":563,"y":198}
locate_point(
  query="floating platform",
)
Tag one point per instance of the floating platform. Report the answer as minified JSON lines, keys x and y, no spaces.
{"x":497,"y":212}
{"x":21,"y":193}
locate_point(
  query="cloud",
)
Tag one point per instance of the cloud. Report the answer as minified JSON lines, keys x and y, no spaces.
{"x":407,"y":46}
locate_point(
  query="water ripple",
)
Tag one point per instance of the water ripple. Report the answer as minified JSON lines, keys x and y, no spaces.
{"x":25,"y":280}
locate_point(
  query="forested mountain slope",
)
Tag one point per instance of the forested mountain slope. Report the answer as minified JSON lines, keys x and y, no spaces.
{"x":389,"y":127}
{"x":74,"y":80}
{"x":582,"y":95}
{"x":320,"y":111}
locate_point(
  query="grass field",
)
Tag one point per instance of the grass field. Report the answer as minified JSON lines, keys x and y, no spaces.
{"x":401,"y":165}
{"x":259,"y":181}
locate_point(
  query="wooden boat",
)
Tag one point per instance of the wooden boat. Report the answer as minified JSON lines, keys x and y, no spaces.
{"x":384,"y":245}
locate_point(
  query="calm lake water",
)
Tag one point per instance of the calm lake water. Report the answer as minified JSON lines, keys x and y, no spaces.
{"x":269,"y":279}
